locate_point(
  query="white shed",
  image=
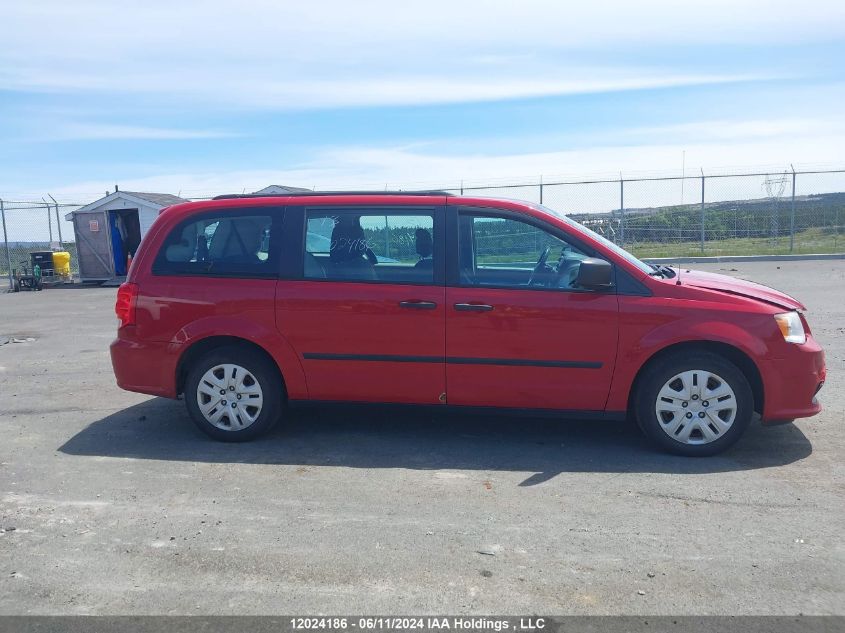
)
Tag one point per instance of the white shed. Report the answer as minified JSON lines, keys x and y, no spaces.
{"x":111,"y":228}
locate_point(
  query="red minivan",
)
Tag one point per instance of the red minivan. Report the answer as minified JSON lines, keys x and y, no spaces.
{"x":249,"y":304}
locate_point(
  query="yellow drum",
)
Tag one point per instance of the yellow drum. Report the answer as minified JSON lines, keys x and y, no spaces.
{"x":61,"y":263}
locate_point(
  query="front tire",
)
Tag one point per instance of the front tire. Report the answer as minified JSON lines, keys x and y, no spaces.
{"x":696,"y":404}
{"x":233,"y":394}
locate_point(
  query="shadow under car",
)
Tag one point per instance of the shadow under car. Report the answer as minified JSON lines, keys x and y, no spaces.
{"x":374,"y":437}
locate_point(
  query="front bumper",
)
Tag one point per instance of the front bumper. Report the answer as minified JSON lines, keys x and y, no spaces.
{"x":791,"y":383}
{"x":144,"y":367}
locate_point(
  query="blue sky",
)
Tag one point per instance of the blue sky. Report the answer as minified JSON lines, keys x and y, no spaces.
{"x":226,"y":96}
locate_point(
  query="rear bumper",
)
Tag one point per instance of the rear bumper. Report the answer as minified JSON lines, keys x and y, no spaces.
{"x":791,"y":383}
{"x":144,"y":367}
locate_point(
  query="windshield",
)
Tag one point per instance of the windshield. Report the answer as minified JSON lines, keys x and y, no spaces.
{"x":646,"y":268}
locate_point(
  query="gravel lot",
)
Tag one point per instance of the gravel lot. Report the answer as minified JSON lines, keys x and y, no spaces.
{"x":112,"y":502}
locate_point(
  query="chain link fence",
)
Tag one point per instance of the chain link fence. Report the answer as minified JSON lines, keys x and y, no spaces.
{"x":773,"y":213}
{"x":34,"y":227}
{"x":770,"y":213}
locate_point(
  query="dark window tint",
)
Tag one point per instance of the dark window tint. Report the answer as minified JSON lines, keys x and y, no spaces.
{"x":498,"y":251}
{"x":237,"y":245}
{"x":369,"y":246}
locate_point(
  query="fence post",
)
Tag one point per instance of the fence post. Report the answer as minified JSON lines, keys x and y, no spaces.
{"x":792,"y":215}
{"x":386,"y":237}
{"x":59,"y":226}
{"x":58,"y":221}
{"x":6,"y":243}
{"x":541,"y":189}
{"x":702,"y":212}
{"x":622,"y":212}
{"x":49,"y":219}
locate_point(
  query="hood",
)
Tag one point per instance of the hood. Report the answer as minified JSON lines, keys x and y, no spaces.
{"x":732,"y":285}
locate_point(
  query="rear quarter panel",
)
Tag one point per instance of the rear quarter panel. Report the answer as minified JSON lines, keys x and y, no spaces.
{"x":184,"y":310}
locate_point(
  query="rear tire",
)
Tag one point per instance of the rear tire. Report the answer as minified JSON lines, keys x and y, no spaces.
{"x":695,"y":404}
{"x":233,"y":393}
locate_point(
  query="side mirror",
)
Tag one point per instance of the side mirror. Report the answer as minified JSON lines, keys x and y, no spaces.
{"x":594,"y":273}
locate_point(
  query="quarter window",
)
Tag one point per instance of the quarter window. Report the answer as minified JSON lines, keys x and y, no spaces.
{"x":369,"y":246}
{"x":237,"y":245}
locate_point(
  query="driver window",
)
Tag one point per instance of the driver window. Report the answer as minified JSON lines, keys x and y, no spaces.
{"x":496,"y":251}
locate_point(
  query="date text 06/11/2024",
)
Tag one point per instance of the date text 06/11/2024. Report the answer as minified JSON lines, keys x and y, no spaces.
{"x":418,"y":623}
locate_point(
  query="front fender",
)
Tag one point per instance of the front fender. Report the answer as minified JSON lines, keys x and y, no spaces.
{"x":689,"y":330}
{"x":637,"y":347}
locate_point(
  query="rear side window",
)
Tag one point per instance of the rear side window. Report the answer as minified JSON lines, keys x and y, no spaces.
{"x":229,"y":245}
{"x":362,"y":245}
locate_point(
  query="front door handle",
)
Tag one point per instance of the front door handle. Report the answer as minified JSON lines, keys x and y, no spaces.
{"x":418,"y":305}
{"x":473,"y":307}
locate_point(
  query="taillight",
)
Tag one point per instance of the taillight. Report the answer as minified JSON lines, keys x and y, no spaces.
{"x":124,"y":307}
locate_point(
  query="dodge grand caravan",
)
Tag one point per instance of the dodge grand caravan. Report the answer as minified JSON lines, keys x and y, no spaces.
{"x":249,"y":304}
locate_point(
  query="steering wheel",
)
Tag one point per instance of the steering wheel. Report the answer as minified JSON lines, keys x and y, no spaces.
{"x":539,"y":265}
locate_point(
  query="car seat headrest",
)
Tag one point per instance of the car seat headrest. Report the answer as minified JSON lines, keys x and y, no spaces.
{"x":348,"y":241}
{"x":183,"y":250}
{"x":424,"y":244}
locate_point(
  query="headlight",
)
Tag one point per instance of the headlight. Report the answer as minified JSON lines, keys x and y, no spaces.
{"x":791,"y":327}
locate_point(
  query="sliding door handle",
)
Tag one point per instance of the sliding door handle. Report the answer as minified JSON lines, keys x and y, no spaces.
{"x":473,"y":307}
{"x":418,"y":305}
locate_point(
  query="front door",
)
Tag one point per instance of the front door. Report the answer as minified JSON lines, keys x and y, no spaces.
{"x":519,"y":333}
{"x":367,"y":313}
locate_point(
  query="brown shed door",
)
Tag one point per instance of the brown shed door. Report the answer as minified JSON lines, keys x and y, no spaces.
{"x":93,"y":245}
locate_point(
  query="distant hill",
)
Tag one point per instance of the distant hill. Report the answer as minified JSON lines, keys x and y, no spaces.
{"x":748,"y":218}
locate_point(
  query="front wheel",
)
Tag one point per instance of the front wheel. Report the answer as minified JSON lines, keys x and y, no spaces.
{"x":233,"y":394}
{"x":695,"y":404}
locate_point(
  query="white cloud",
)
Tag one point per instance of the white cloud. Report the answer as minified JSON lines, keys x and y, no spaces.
{"x":253,"y":88}
{"x":300,"y":54}
{"x":104,"y":131}
{"x":418,"y":167}
{"x":733,"y":130}
{"x":216,"y":55}
{"x":455,"y":89}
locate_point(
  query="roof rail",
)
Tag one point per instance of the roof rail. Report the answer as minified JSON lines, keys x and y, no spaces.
{"x":307,"y":194}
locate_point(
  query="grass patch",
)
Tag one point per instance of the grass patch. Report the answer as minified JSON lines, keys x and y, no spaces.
{"x":806,"y":242}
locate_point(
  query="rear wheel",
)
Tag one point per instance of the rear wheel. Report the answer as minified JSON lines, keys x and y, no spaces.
{"x":696,"y":404}
{"x":233,"y":394}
